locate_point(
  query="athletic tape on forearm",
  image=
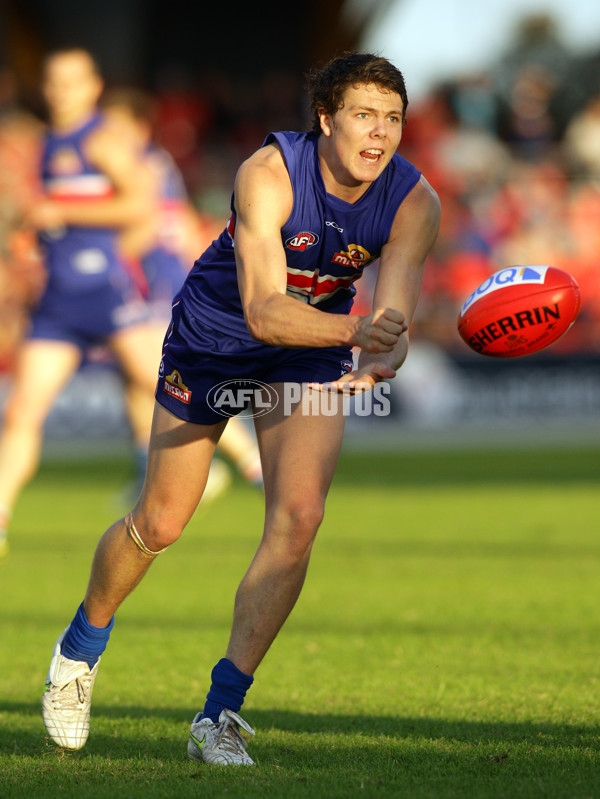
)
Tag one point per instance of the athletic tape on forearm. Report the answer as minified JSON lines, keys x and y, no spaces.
{"x":135,"y":536}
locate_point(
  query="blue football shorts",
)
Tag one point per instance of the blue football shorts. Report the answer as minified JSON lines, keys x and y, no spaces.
{"x":164,"y":273}
{"x":197,"y":359}
{"x":87,"y":318}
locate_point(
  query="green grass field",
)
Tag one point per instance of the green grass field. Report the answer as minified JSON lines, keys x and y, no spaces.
{"x":446,"y":643}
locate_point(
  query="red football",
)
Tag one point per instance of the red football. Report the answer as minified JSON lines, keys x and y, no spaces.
{"x":519,"y":310}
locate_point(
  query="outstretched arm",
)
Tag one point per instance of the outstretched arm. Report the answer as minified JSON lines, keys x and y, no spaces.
{"x":413,"y":234}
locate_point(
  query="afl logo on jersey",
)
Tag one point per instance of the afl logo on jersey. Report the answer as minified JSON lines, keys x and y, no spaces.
{"x":302,"y":240}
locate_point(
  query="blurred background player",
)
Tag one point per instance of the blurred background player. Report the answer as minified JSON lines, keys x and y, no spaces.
{"x":158,"y":249}
{"x":21,"y":271}
{"x":92,"y":185}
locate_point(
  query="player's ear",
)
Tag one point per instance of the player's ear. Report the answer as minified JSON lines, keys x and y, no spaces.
{"x":326,"y":122}
{"x":98,"y":86}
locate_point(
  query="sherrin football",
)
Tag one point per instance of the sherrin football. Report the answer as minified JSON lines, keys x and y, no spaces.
{"x":519,"y":310}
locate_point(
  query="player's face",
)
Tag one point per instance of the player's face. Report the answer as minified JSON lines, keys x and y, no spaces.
{"x":71,"y":87}
{"x":129,"y":130}
{"x":363,"y":135}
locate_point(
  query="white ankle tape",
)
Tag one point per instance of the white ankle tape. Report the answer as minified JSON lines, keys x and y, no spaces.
{"x":135,"y":536}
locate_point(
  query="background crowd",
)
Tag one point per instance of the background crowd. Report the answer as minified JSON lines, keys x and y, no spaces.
{"x":514,"y":153}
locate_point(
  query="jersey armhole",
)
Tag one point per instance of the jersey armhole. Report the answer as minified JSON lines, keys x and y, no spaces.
{"x":411,"y":181}
{"x":273,"y":139}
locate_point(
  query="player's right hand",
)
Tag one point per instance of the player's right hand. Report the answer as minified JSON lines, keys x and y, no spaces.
{"x":380,"y":330}
{"x":44,"y":215}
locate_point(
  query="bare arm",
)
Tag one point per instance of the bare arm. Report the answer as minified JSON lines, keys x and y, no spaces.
{"x":132,"y":202}
{"x":263,"y":201}
{"x":413,"y":234}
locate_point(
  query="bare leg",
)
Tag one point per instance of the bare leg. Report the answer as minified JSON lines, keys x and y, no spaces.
{"x":299,"y":455}
{"x":168,"y":500}
{"x":43,"y":368}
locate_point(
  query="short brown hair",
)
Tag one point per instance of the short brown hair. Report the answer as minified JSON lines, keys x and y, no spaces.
{"x":61,"y":51}
{"x":139,"y":103}
{"x":327,"y":84}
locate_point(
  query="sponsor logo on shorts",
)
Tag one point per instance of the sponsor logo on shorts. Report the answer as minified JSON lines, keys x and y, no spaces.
{"x":92,"y":261}
{"x":506,"y":277}
{"x":356,"y":256}
{"x":175,"y":386}
{"x":302,"y":240}
{"x":347,"y":366}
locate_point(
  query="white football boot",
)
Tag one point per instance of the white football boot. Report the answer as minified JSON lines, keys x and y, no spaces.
{"x":67,"y":699}
{"x":220,"y":743}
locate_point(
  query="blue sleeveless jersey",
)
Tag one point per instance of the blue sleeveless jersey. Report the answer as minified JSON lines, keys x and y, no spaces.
{"x":328,"y":242}
{"x":78,"y":259}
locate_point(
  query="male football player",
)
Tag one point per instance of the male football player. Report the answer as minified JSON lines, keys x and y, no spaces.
{"x":268,"y":301}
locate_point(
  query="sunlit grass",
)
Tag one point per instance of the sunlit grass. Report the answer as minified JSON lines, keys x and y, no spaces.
{"x":445,"y":644}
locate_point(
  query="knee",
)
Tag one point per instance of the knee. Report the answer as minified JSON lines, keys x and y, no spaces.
{"x":157,"y":529}
{"x":294,"y":525}
{"x":17,"y":414}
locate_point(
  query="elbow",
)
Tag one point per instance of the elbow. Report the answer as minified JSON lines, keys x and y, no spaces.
{"x":254,"y":318}
{"x":141,"y":210}
{"x":138,"y":208}
{"x":263,"y":321}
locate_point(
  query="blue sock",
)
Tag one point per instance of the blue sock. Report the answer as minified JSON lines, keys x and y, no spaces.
{"x":228,"y":689}
{"x":83,"y":641}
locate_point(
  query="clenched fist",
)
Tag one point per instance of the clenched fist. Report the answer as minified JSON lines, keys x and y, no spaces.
{"x":380,"y":330}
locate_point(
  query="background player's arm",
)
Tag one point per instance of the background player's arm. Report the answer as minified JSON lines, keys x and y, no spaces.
{"x":263,"y":201}
{"x":134,"y":198}
{"x":413,"y":234}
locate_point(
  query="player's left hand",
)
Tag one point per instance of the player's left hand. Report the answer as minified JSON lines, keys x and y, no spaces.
{"x":359,"y":380}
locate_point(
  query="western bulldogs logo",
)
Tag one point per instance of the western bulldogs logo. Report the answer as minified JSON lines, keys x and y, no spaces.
{"x":302,"y":240}
{"x":65,"y":161}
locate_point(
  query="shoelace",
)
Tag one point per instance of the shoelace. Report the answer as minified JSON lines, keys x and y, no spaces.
{"x":230,"y":739}
{"x":72,"y":697}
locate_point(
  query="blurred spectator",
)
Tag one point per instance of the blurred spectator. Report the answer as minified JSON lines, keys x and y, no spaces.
{"x":582,"y":140}
{"x":531,"y":81}
{"x":537,"y":43}
{"x":514,"y":153}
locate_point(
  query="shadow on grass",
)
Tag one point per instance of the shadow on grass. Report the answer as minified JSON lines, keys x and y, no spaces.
{"x":159,"y":740}
{"x":140,"y":753}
